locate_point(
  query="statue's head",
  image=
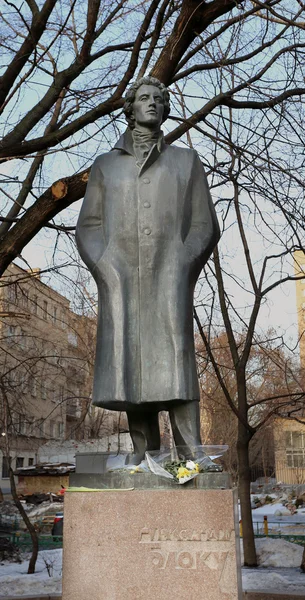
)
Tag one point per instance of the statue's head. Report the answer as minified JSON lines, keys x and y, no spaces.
{"x":147,"y":103}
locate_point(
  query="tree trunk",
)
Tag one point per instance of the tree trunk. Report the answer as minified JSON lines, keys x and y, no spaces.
{"x":1,"y":495}
{"x":302,"y":565}
{"x":30,"y":526}
{"x":250,"y":559}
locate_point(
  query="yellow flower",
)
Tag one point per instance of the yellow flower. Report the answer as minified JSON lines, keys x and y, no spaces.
{"x":135,"y":470}
{"x":183,"y":472}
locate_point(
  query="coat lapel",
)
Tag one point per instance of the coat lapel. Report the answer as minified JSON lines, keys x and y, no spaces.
{"x":125,"y":143}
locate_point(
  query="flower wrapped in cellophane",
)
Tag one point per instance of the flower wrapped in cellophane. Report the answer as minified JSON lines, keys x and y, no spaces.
{"x":183,"y":464}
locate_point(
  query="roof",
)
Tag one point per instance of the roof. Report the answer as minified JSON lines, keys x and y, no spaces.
{"x":34,"y":275}
{"x":46,"y":469}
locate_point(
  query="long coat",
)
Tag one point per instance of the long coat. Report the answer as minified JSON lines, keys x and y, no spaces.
{"x":145,"y":234}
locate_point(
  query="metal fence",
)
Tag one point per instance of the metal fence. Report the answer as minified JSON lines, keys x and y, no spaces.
{"x":291,"y":532}
{"x":46,"y":542}
{"x":12,"y":528}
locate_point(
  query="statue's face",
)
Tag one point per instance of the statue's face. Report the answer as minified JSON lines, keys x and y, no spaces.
{"x":148,"y":106}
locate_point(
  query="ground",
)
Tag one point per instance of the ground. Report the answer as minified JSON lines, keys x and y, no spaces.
{"x":14,"y":580}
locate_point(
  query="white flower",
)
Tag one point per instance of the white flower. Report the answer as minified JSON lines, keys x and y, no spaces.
{"x":190,"y":465}
{"x":185,"y":479}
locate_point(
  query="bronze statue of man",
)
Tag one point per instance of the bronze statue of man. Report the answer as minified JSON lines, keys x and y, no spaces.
{"x":146,"y":228}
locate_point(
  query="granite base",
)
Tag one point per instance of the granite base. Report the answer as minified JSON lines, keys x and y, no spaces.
{"x":157,"y":544}
{"x":147,"y":481}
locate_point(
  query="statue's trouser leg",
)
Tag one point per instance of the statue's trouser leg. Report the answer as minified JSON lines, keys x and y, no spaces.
{"x":144,"y":431}
{"x":185,"y":422}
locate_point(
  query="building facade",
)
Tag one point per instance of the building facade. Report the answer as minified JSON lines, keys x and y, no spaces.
{"x":289,"y":443}
{"x":289,"y":434}
{"x":45,"y":368}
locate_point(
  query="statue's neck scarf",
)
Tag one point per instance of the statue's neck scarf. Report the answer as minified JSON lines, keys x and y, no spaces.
{"x":144,"y":141}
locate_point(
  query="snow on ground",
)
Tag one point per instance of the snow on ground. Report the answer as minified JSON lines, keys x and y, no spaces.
{"x":274,"y":552}
{"x":279,"y":563}
{"x":14,"y":580}
{"x":271,"y":509}
{"x":279,"y":570}
{"x":279,"y":580}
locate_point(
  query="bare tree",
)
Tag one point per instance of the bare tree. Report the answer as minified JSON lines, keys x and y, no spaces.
{"x":6,"y":427}
{"x":274,"y":389}
{"x":76,"y":52}
{"x":236,"y":318}
{"x":45,"y":363}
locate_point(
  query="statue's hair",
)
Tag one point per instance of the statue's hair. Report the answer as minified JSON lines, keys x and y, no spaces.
{"x":131,"y":94}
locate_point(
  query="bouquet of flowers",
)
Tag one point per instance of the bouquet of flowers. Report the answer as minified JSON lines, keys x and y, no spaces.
{"x":176,"y":465}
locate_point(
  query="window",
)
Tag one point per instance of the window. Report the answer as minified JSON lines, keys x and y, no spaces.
{"x":23,"y":426}
{"x":18,"y":423}
{"x":24,"y":299}
{"x":43,"y":390}
{"x":32,"y":386}
{"x":23,"y":340}
{"x":52,"y":429}
{"x":34,"y":304}
{"x":73,"y":405}
{"x":12,"y":293}
{"x":11,"y":423}
{"x":40,"y":428}
{"x":62,"y":362}
{"x":60,"y":430}
{"x":30,"y":462}
{"x":11,"y":334}
{"x":45,"y":310}
{"x":14,"y":379}
{"x":54,"y":314}
{"x":63,"y":320}
{"x":11,"y":330}
{"x":5,"y":467}
{"x":295,"y":448}
{"x":19,"y":462}
{"x":61,"y":393}
{"x":31,"y":426}
{"x":72,"y":338}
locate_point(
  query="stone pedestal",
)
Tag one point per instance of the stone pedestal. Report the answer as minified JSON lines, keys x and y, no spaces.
{"x":177,"y":543}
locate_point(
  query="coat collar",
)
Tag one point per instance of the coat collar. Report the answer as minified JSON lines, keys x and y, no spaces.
{"x":125,"y":144}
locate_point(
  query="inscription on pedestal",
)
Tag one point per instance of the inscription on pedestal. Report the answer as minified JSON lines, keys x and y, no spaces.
{"x":185,"y":535}
{"x":192,"y":549}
